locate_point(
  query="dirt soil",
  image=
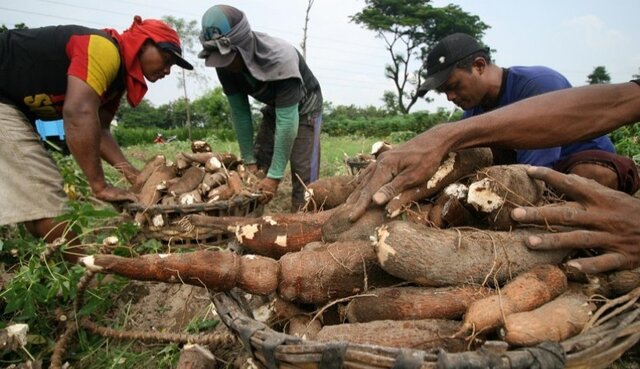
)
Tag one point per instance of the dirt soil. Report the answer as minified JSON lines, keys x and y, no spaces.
{"x":170,"y":308}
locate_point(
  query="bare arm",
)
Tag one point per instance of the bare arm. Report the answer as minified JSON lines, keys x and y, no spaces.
{"x":547,"y":120}
{"x":553,"y":119}
{"x":111,"y":152}
{"x":83,"y":131}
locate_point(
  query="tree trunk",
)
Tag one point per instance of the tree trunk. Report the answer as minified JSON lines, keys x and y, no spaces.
{"x":186,"y":101}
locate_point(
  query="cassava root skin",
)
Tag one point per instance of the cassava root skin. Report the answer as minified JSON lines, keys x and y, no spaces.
{"x":499,"y":189}
{"x":296,"y":321}
{"x":327,"y":193}
{"x":311,"y":276}
{"x":151,"y":166}
{"x":410,"y":334}
{"x":450,"y":257}
{"x":525,"y":292}
{"x":215,"y":270}
{"x":331,"y":271}
{"x":414,"y":303}
{"x":338,"y":227}
{"x":562,"y":318}
{"x":270,"y":235}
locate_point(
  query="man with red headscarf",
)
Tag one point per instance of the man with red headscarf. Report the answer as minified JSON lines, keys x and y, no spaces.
{"x":80,"y":75}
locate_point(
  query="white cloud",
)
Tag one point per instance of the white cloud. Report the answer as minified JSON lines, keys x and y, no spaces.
{"x":594,"y":32}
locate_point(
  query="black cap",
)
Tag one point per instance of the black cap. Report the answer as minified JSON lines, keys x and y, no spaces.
{"x":443,"y":58}
{"x":177,"y":51}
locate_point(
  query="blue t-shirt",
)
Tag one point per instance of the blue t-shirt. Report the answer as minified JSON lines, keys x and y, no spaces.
{"x":521,"y":82}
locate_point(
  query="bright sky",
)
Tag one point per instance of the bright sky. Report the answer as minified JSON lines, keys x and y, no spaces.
{"x":571,"y":36}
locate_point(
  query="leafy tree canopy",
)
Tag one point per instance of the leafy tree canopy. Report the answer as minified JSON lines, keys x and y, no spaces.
{"x":598,"y":76}
{"x":15,"y":26}
{"x":410,"y":28}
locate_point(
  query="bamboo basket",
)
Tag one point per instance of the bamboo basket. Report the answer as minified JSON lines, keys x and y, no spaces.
{"x":614,"y":329}
{"x":173,"y":230}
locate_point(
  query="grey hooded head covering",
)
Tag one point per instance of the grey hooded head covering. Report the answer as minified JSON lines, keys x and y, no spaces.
{"x":226,"y":32}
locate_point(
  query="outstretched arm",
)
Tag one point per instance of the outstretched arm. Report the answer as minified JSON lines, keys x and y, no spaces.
{"x":547,"y":120}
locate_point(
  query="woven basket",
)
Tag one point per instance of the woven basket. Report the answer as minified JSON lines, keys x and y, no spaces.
{"x":616,"y":330}
{"x":174,"y":231}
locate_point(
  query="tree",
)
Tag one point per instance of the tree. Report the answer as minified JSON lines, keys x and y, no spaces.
{"x":390,"y":102}
{"x":189,"y":33}
{"x":598,"y":76}
{"x":410,"y":28}
{"x":213,"y":106}
{"x":15,"y":26}
{"x":144,"y":115}
{"x":303,"y":46}
{"x":636,"y":76}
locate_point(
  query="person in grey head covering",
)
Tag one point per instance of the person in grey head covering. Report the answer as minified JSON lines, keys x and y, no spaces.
{"x":273,"y":72}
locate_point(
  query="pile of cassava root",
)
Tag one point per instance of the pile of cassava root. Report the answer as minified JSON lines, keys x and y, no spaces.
{"x":449,"y":271}
{"x":197,"y":177}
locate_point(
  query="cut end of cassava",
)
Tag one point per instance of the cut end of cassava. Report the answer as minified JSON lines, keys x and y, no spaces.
{"x":379,"y":198}
{"x":213,"y":164}
{"x":110,"y":241}
{"x":269,"y":220}
{"x":379,"y":147}
{"x":89,"y":262}
{"x":202,"y":351}
{"x":281,"y":240}
{"x":308,"y":195}
{"x":445,"y":168}
{"x":157,"y":221}
{"x":483,"y":198}
{"x":382,"y":248}
{"x":246,"y":231}
{"x":456,"y":190}
{"x":18,"y":332}
{"x":200,"y":146}
{"x":187,"y":199}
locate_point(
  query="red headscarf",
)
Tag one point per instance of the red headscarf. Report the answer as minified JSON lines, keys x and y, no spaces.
{"x":130,"y":43}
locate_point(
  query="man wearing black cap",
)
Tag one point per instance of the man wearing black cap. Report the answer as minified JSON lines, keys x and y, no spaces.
{"x":273,"y":72}
{"x":461,"y":68}
{"x":77,"y":74}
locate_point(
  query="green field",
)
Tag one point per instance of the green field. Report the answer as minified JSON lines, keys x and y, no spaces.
{"x":334,"y":150}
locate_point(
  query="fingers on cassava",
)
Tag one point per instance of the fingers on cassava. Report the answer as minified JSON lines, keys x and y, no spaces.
{"x":364,"y":192}
{"x":601,"y":263}
{"x":555,"y":215}
{"x":388,"y":191}
{"x":574,"y":186}
{"x":414,"y":185}
{"x":567,"y":240}
{"x":362,"y":178}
